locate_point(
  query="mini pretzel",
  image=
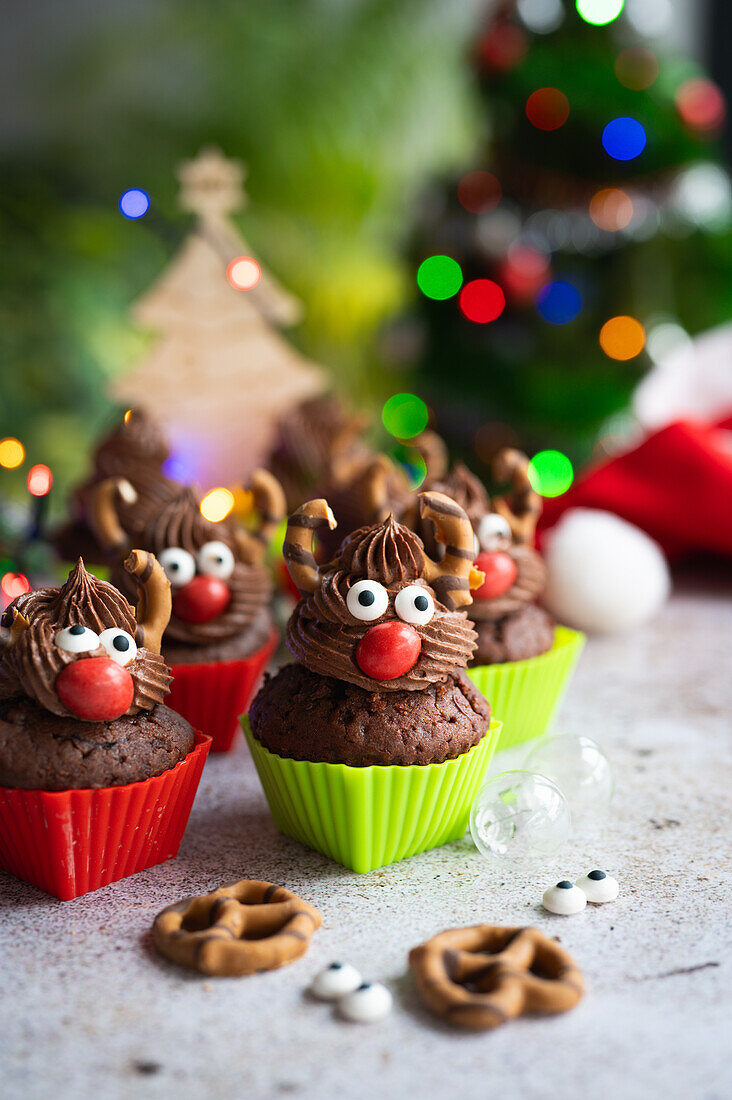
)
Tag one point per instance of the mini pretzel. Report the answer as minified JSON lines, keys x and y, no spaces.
{"x":242,"y":928}
{"x":481,"y":977}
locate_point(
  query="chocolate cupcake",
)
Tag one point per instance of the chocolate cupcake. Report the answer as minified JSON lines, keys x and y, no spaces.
{"x":82,"y":690}
{"x":378,"y":703}
{"x":221,"y":633}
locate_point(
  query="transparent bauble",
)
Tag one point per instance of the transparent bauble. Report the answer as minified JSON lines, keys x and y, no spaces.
{"x":520,"y":818}
{"x":580,"y":769}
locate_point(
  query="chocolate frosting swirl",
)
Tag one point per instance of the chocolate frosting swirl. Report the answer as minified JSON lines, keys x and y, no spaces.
{"x":31,"y":665}
{"x":323,"y":634}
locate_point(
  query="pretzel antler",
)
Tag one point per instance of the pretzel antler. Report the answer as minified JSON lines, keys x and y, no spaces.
{"x":521,"y":506}
{"x":454,"y":576}
{"x":153,"y":612}
{"x":19,"y":625}
{"x":269,"y":501}
{"x":105,"y":519}
{"x":298,"y":546}
{"x":432,"y":448}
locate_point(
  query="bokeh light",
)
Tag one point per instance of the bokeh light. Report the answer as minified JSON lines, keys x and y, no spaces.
{"x":503,"y":47}
{"x":482,"y":301}
{"x":550,"y":473}
{"x":479,"y":192}
{"x":702,"y":194}
{"x":12,"y":452}
{"x":611,"y":209}
{"x":558,"y":302}
{"x":599,"y":12}
{"x":622,"y":338}
{"x":134,"y":203}
{"x":624,"y":138}
{"x":541,"y":16}
{"x":439,"y":277}
{"x":40,"y":480}
{"x":243,"y":273}
{"x":547,"y":108}
{"x":13,"y":585}
{"x":636,"y":68}
{"x":415,"y":468}
{"x":405,"y":415}
{"x":523,"y":271}
{"x":217,"y":504}
{"x":701,"y":105}
{"x":651,"y":18}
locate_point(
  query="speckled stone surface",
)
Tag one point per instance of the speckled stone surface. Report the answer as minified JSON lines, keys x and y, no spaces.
{"x":87,"y":1009}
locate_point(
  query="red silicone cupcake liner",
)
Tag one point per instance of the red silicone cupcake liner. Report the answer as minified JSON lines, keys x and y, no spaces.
{"x":69,"y":843}
{"x":213,"y":696}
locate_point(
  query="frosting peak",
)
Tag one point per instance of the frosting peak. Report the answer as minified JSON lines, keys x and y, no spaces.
{"x":387,"y":552}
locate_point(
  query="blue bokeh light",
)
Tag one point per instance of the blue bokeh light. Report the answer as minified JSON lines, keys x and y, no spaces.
{"x":624,"y":138}
{"x":134,"y":203}
{"x":558,"y":302}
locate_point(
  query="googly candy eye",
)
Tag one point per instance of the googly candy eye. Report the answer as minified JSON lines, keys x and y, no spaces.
{"x":367,"y":600}
{"x":598,"y":887}
{"x":216,"y":559}
{"x":370,"y":1002}
{"x":120,"y":645}
{"x":77,"y":639}
{"x":565,"y":899}
{"x":335,"y":981}
{"x":414,"y":605}
{"x":179,"y":565}
{"x":491,"y":528}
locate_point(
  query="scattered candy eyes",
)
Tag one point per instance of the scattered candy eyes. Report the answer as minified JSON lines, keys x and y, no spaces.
{"x":414,"y":605}
{"x":120,"y":645}
{"x":77,"y":639}
{"x":491,"y":528}
{"x":370,"y":1002}
{"x":335,"y":981}
{"x":216,"y":559}
{"x":179,"y":565}
{"x":565,"y":899}
{"x":598,"y":887}
{"x":367,"y":600}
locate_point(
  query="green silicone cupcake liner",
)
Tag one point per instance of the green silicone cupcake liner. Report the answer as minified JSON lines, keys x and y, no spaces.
{"x":365,"y":818}
{"x":526,"y":694}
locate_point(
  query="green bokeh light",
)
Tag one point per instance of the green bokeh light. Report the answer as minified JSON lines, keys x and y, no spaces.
{"x":599,"y":12}
{"x":405,"y":415}
{"x":550,"y":473}
{"x":439,"y":277}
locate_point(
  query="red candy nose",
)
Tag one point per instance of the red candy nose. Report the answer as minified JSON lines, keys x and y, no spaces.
{"x":500,"y":573}
{"x":201,"y":599}
{"x":95,"y":689}
{"x":388,"y":650}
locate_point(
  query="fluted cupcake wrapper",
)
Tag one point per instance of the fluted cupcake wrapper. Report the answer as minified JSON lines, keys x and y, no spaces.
{"x":69,"y":843}
{"x":525,"y":694}
{"x":366,"y":818}
{"x":212,"y":696}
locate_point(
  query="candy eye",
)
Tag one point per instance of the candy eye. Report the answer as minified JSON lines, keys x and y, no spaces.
{"x":414,"y":604}
{"x":371,"y":1001}
{"x":334,"y":982}
{"x":598,"y":887}
{"x":492,"y":527}
{"x":367,"y":600}
{"x":77,"y":639}
{"x":215,"y":559}
{"x":565,"y":898}
{"x":120,"y":645}
{"x":179,"y":565}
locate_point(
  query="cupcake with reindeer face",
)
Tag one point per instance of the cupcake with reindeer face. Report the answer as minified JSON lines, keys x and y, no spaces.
{"x":97,"y":774}
{"x":221,"y":632}
{"x":371,"y":746}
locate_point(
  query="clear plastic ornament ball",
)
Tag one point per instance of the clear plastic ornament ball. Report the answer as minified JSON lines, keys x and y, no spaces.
{"x":580,"y":769}
{"x":520,"y":818}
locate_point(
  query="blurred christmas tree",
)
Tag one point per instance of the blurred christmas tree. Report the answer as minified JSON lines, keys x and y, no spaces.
{"x":591,"y":233}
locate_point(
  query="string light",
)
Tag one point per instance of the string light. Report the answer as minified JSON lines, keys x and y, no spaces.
{"x":622,"y":338}
{"x":624,"y":138}
{"x":611,"y":209}
{"x":523,"y":271}
{"x":636,"y":68}
{"x":405,"y":415}
{"x":550,"y":473}
{"x":503,"y":47}
{"x":12,"y":453}
{"x":243,"y":273}
{"x":482,"y":301}
{"x":479,"y":192}
{"x":547,"y":108}
{"x":134,"y":203}
{"x":439,"y":277}
{"x":40,"y":480}
{"x":541,"y":16}
{"x":599,"y":12}
{"x":13,"y":585}
{"x":217,"y":504}
{"x":701,"y":105}
{"x":558,"y":302}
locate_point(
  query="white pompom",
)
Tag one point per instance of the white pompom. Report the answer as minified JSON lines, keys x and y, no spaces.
{"x":604,"y":574}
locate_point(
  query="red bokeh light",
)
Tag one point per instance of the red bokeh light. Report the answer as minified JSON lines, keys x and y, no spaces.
{"x":14,"y":584}
{"x":40,"y":480}
{"x":701,"y":105}
{"x":479,"y":192}
{"x":523,"y":272}
{"x":547,"y":108}
{"x":503,"y":47}
{"x":482,"y":301}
